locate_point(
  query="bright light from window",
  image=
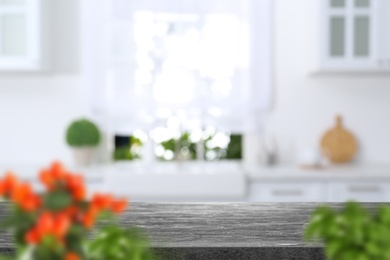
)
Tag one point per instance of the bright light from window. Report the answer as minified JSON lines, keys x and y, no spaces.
{"x":182,"y":61}
{"x":182,"y":56}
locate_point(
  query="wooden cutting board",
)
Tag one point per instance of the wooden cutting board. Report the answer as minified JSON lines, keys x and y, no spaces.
{"x":338,"y":144}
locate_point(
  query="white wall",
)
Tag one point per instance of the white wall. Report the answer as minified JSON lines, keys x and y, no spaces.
{"x":35,"y":108}
{"x":305,"y":105}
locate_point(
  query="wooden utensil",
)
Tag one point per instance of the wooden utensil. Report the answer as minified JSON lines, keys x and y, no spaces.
{"x":338,"y":144}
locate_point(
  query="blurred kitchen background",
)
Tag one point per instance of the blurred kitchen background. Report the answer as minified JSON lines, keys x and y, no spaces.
{"x":202,"y":100}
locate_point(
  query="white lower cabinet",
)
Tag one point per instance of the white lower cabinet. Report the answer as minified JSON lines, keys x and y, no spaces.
{"x":372,"y":191}
{"x":287,"y":192}
{"x":319,"y":191}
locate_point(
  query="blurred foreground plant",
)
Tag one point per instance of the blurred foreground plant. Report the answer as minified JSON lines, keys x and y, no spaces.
{"x":53,"y":225}
{"x":116,"y":243}
{"x":351,"y":233}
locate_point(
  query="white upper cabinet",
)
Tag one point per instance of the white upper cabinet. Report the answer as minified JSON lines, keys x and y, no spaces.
{"x":21,"y":35}
{"x":354,"y":35}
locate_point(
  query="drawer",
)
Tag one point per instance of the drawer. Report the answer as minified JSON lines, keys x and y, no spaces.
{"x":367,"y":191}
{"x":287,"y":192}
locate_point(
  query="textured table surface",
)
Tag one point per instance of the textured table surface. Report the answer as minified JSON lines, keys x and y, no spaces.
{"x":222,"y":230}
{"x":221,"y":224}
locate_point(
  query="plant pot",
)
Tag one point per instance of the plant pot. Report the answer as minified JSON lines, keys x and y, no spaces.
{"x":83,"y":155}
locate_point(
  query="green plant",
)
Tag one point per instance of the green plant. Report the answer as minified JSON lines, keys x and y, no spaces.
{"x":116,"y":243}
{"x":52,"y":225}
{"x":234,"y":149}
{"x":177,"y":146}
{"x":122,"y":154}
{"x":129,"y":151}
{"x":351,"y":233}
{"x":183,"y":146}
{"x":83,"y":132}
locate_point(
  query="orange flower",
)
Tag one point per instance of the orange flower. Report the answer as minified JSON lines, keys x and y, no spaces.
{"x":75,"y":183}
{"x":88,"y":220}
{"x":57,"y":224}
{"x":47,"y":179}
{"x":23,"y":195}
{"x":32,"y":236}
{"x":79,"y":193}
{"x":72,"y":256}
{"x":2,"y":188}
{"x":20,"y":192}
{"x":61,"y":225}
{"x":45,"y":223}
{"x":119,"y":206}
{"x":10,"y":181}
{"x":49,"y":224}
{"x":57,"y":171}
{"x":89,"y":217}
{"x":71,"y":211}
{"x":93,"y":210}
{"x":31,"y":203}
{"x":102,"y":201}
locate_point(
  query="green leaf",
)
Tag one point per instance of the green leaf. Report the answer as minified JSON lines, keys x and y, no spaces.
{"x":373,"y":249}
{"x":57,"y":200}
{"x":115,"y":243}
{"x":352,"y":232}
{"x":333,"y":248}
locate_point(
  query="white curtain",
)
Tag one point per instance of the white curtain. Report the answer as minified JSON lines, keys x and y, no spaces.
{"x":111,"y":66}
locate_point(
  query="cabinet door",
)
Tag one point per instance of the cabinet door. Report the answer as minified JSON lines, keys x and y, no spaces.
{"x":362,"y":191}
{"x":349,"y":33}
{"x":20,"y":35}
{"x":287,"y":192}
{"x":383,"y":34}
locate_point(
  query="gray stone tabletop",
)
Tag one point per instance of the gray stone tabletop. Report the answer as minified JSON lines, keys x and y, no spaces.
{"x":222,"y":230}
{"x":221,"y":224}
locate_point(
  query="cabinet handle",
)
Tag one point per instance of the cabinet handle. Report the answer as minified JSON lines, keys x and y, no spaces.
{"x":287,"y":192}
{"x":356,"y":188}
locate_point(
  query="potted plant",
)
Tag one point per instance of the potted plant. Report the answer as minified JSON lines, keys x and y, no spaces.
{"x":53,"y":225}
{"x":352,"y":232}
{"x":83,"y":136}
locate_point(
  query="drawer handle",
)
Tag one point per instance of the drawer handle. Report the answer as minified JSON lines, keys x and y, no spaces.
{"x":364,"y":188}
{"x":287,"y":192}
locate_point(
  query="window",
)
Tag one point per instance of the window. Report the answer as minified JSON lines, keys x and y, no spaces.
{"x":182,"y":72}
{"x":181,"y":146}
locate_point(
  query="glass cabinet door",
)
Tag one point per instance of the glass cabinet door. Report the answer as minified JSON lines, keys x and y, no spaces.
{"x":337,"y":22}
{"x":337,"y":35}
{"x":361,"y":23}
{"x":19,"y":34}
{"x":13,"y":28}
{"x":350,"y":33}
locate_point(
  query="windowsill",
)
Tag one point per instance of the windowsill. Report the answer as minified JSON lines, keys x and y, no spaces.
{"x":179,"y":181}
{"x":180,"y":167}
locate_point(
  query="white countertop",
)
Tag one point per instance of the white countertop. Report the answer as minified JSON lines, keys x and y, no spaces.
{"x":350,"y":172}
{"x":193,"y":180}
{"x":165,"y":180}
{"x":97,"y":173}
{"x":179,"y":181}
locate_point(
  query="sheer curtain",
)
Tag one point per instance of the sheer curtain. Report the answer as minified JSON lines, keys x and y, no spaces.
{"x":206,"y":62}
